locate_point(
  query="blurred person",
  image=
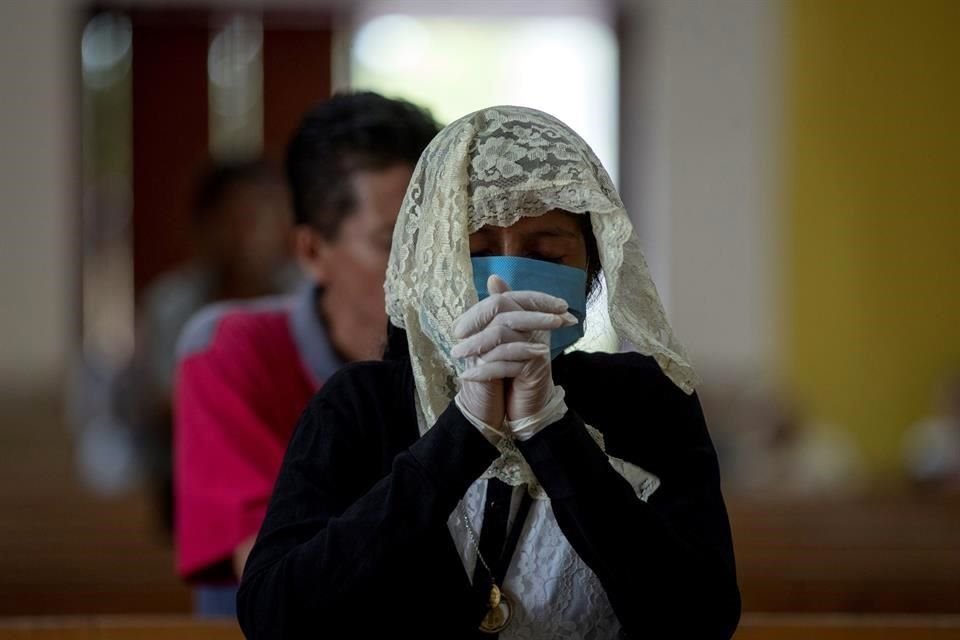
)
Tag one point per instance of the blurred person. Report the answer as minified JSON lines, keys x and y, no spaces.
{"x":771,"y":451}
{"x":479,"y":481}
{"x":246,"y":371}
{"x":241,"y":231}
{"x":932,"y":446}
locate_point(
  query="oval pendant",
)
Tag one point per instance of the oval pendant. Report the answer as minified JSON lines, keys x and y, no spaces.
{"x":499,"y":613}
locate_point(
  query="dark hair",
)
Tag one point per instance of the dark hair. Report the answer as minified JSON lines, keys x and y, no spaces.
{"x":593,"y":255}
{"x":219,"y":178}
{"x":396,"y":347}
{"x":349,"y":132}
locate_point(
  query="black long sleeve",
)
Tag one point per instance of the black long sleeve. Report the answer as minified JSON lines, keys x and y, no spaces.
{"x":667,"y":565}
{"x":332,"y":546}
{"x":355,"y":540}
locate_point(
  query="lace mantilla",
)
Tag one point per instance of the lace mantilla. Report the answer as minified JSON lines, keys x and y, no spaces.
{"x":491,"y":168}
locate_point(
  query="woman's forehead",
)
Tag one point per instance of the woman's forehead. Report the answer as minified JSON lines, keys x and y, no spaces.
{"x":555,"y":222}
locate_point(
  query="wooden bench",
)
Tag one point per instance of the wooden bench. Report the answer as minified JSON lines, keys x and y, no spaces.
{"x":894,"y":554}
{"x":847,"y":627}
{"x":118,"y":628}
{"x":752,"y":627}
{"x":64,"y":551}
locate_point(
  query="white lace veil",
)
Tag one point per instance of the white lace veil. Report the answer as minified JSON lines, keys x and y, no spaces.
{"x":490,"y":168}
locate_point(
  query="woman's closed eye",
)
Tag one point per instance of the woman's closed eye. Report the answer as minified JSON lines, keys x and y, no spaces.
{"x":534,"y":255}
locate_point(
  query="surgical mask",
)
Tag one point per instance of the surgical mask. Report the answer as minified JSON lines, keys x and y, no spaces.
{"x":526,"y":274}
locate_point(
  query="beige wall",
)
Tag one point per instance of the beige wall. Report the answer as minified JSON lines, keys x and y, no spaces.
{"x":699,"y":172}
{"x":37,"y":152}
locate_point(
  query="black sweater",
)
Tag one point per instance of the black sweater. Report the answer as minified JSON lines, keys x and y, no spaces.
{"x":355,"y":541}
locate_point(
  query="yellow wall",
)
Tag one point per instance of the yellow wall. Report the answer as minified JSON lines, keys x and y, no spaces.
{"x":873,"y":199}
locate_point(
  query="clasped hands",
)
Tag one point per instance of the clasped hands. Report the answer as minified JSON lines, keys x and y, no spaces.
{"x":508,"y":383}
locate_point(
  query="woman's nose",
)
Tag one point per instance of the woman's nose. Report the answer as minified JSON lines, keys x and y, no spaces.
{"x":509,"y":246}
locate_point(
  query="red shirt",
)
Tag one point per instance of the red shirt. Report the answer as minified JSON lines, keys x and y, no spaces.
{"x":245,"y":373}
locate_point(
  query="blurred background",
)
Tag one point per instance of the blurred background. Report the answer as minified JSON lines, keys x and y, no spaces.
{"x":792,"y":168}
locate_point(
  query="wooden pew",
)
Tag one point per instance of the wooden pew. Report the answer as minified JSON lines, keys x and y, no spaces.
{"x":847,"y":627}
{"x":894,"y":554}
{"x":118,"y":628}
{"x":64,"y":551}
{"x":752,"y":627}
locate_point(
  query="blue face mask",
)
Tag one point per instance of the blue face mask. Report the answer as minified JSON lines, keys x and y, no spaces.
{"x":525,"y":274}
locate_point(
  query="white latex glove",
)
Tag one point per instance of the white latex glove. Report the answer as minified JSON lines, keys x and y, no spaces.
{"x":512,"y":343}
{"x":481,"y":397}
{"x":483,"y":404}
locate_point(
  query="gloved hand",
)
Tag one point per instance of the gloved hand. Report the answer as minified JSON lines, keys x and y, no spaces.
{"x":483,"y":403}
{"x":509,"y":335}
{"x":481,"y":396}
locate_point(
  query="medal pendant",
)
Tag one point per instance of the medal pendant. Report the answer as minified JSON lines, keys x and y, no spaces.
{"x":499,"y":612}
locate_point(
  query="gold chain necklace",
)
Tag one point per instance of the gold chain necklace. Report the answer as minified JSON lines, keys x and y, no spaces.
{"x":499,"y":602}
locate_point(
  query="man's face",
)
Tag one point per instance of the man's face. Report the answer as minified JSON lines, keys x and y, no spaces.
{"x":351,"y":267}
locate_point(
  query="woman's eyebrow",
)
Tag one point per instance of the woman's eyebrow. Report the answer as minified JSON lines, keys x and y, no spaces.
{"x":553,"y":232}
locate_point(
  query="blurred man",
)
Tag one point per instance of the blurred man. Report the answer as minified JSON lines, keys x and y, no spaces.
{"x":241,"y":229}
{"x":247,"y":371}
